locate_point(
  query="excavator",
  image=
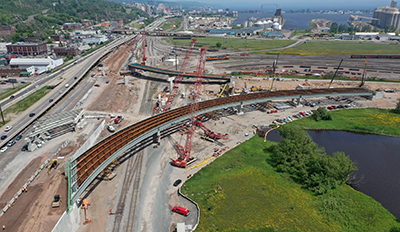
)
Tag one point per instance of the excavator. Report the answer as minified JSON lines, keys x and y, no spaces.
{"x":53,"y":164}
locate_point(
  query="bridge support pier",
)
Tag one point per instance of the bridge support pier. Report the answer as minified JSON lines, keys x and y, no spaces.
{"x":171,"y":83}
{"x":240,"y":107}
{"x":158,"y":138}
{"x":298,"y":100}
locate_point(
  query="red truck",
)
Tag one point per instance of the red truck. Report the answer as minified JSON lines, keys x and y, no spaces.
{"x":181,"y":210}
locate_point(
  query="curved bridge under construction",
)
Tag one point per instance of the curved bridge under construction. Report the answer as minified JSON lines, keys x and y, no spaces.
{"x":83,"y":168}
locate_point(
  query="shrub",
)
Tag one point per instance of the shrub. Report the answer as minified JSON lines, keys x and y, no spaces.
{"x":321,"y":114}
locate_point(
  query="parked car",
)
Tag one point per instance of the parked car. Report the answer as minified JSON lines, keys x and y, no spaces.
{"x":181,"y":210}
{"x":8,"y":128}
{"x":31,"y":114}
{"x":3,"y":83}
{"x":25,"y":147}
{"x":18,"y":137}
{"x":330,"y":108}
{"x":3,"y":149}
{"x":3,"y":137}
{"x":177,"y":182}
{"x":97,"y":85}
{"x":107,"y":82}
{"x":10,"y":143}
{"x":23,"y":82}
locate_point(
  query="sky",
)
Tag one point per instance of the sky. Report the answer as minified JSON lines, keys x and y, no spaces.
{"x":299,"y":4}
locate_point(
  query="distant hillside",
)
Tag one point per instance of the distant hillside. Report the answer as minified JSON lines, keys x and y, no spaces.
{"x":39,"y":18}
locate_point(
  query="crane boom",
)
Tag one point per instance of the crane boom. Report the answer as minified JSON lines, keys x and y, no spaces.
{"x":334,"y":75}
{"x":179,"y":78}
{"x":363,"y":74}
{"x":184,"y":152}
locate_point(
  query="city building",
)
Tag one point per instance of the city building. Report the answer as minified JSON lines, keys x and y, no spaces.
{"x":40,"y":64}
{"x":95,"y":39}
{"x":387,"y":17}
{"x":87,"y":22}
{"x":56,"y":37}
{"x":30,"y":49}
{"x":73,"y":26}
{"x":3,"y":47}
{"x":16,"y":72}
{"x":65,"y":51}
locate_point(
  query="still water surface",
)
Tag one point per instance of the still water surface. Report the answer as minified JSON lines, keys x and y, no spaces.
{"x":377,"y":158}
{"x":298,"y":21}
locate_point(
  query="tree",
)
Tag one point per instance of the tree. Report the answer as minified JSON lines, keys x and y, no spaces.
{"x":397,"y":109}
{"x":218,"y":45}
{"x":49,"y":41}
{"x":307,"y":164}
{"x":321,"y":114}
{"x":334,"y":28}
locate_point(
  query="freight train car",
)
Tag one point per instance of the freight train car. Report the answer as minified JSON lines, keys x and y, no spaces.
{"x":375,"y":56}
{"x":211,"y":58}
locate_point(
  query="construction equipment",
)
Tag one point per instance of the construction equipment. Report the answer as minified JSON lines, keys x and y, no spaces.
{"x":273,"y":71}
{"x":56,"y":202}
{"x":184,"y":152}
{"x":179,"y":78}
{"x":207,"y":132}
{"x":222,"y":92}
{"x":53,"y":164}
{"x":334,"y":75}
{"x":85,"y":205}
{"x":144,"y":45}
{"x":363,"y":74}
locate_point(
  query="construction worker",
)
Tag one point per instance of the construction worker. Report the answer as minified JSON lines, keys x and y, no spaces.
{"x":24,"y":189}
{"x":4,"y":227}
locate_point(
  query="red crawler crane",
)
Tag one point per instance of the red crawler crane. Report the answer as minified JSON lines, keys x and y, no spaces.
{"x":184,"y":152}
{"x":179,"y":78}
{"x":209,"y":133}
{"x":144,"y":45}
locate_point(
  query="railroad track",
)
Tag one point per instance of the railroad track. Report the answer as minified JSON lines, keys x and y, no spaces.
{"x":94,"y":156}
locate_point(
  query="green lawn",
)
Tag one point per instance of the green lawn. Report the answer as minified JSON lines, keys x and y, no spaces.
{"x":234,"y":43}
{"x":368,"y":120}
{"x":176,"y":22}
{"x":240,"y":191}
{"x":11,"y":91}
{"x":318,"y":47}
{"x":27,"y":102}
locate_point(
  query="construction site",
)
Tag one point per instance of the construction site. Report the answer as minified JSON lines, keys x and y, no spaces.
{"x":135,"y":191}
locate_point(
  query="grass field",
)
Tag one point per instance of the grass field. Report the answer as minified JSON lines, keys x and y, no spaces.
{"x":176,"y":22}
{"x":240,"y":191}
{"x":316,"y":47}
{"x":234,"y":43}
{"x":27,"y":102}
{"x":369,"y":120}
{"x":10,"y":92}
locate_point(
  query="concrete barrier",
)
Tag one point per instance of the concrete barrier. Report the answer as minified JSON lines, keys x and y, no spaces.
{"x":68,"y":222}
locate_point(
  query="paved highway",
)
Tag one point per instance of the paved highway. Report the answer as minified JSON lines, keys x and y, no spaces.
{"x":78,"y":70}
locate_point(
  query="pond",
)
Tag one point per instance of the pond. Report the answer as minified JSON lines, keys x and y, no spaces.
{"x":377,"y":158}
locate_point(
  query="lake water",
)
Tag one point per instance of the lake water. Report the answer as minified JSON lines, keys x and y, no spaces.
{"x":297,"y":21}
{"x":377,"y":158}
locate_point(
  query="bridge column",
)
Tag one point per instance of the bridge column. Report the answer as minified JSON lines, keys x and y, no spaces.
{"x":240,"y":109}
{"x":298,"y":100}
{"x":158,"y":137}
{"x":171,"y":83}
{"x":232,"y":80}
